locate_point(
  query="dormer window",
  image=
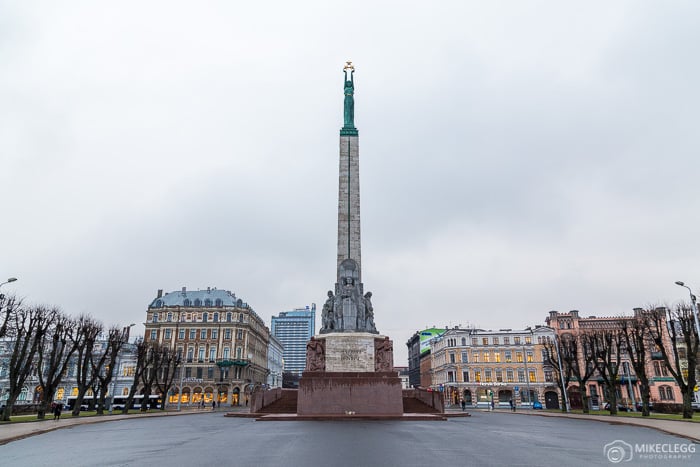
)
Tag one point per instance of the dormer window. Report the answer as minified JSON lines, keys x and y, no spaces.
{"x":207,"y":302}
{"x":219,"y":302}
{"x":187,"y":302}
{"x":197,"y":302}
{"x":159,"y":303}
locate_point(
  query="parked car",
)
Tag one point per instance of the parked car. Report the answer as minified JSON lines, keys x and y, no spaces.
{"x":639,"y":406}
{"x":537,"y":405}
{"x":620,"y":407}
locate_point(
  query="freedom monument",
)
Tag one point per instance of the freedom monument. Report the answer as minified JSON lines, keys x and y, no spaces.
{"x":349,"y":365}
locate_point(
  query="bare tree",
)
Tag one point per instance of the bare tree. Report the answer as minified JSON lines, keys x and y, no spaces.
{"x":637,"y":341}
{"x":577,"y":359}
{"x":681,"y":358}
{"x":141,"y":364}
{"x":169,"y":365}
{"x":8,"y":305}
{"x":154,"y":362}
{"x":55,"y":351}
{"x":607,"y":346}
{"x":552,"y":357}
{"x":87,"y":332}
{"x":105,"y":367}
{"x":26,"y":330}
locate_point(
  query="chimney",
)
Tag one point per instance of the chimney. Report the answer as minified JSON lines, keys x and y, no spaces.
{"x":184,"y":291}
{"x":160,"y":293}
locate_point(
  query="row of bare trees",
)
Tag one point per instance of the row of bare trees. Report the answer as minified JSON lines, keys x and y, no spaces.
{"x":669,"y":334}
{"x":46,"y":342}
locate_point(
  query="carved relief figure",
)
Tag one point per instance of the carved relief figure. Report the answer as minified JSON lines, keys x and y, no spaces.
{"x":369,"y":313}
{"x":383,"y":355}
{"x":315,"y":355}
{"x":327,"y":315}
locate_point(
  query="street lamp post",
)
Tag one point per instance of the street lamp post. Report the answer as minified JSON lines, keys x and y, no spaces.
{"x":11,"y":279}
{"x":114,"y":380}
{"x":695,"y":307}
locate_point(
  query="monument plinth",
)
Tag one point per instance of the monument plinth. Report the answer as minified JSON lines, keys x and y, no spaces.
{"x":349,"y":366}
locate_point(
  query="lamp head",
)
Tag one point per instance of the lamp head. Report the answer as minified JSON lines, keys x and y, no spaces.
{"x":681,"y":283}
{"x":11,"y":279}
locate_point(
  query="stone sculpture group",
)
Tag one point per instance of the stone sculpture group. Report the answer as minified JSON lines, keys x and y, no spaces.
{"x":348,"y":310}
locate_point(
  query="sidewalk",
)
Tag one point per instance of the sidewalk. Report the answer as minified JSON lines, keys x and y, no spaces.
{"x":19,"y":430}
{"x":689,"y":430}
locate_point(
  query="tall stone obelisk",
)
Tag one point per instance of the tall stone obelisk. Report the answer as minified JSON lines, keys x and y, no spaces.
{"x":349,"y":245}
{"x":349,"y":366}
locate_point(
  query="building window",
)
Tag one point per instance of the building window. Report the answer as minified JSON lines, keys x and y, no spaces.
{"x":227,"y":353}
{"x":188,"y":372}
{"x":529,"y":356}
{"x":548,"y":376}
{"x":240,"y":317}
{"x":450,"y":377}
{"x":528,"y":339}
{"x":219,"y":302}
{"x":665,"y":393}
{"x":509,"y":356}
{"x":497,"y":357}
{"x":202,"y":333}
{"x":214,"y":333}
{"x":506,"y":340}
{"x":210,"y":372}
{"x":516,"y":340}
{"x":168,"y":333}
{"x":154,"y":334}
{"x":228,"y":317}
{"x":465,"y":358}
{"x":216,"y":317}
{"x":212,"y":354}
{"x":521,"y":375}
{"x":660,"y":368}
{"x":154,"y":318}
{"x":495,"y":341}
{"x":240,"y":334}
{"x":452,"y":358}
{"x":205,"y":317}
{"x":499,"y":375}
{"x":190,"y":355}
{"x":169,"y":317}
{"x":197,"y":303}
{"x":487,"y":357}
{"x":533,"y":378}
{"x":201,"y":354}
{"x":193,"y":334}
{"x":477,"y":376}
{"x":519,"y":357}
{"x":509,"y":375}
{"x":181,"y":334}
{"x":475,"y":357}
{"x":487,"y":375}
{"x":474,"y":341}
{"x":464,"y":341}
{"x":227,"y":334}
{"x":199,"y":372}
{"x":465,"y":376}
{"x":187,"y":302}
{"x":239,"y":352}
{"x":207,"y":302}
{"x":485,"y":340}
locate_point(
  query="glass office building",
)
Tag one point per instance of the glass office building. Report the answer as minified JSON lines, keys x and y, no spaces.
{"x":294,"y":329}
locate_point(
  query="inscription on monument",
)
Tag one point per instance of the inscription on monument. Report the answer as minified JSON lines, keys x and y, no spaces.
{"x":349,"y":352}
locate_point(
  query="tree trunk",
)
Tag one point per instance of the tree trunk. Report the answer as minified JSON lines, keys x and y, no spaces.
{"x":584,"y":397}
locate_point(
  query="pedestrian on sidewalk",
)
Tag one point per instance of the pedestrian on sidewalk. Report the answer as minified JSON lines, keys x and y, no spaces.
{"x":57,"y":411}
{"x":512,"y":405}
{"x":464,"y":405}
{"x":213,"y":405}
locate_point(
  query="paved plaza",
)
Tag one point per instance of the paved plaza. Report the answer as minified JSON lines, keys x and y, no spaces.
{"x":211,"y":439}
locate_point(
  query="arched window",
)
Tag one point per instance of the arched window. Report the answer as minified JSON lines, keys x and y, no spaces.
{"x":464,"y":341}
{"x":240,"y":317}
{"x":228,"y":317}
{"x":159,"y":303}
{"x":207,"y":302}
{"x":219,"y":302}
{"x":216,"y":316}
{"x":665,"y":393}
{"x":205,"y":317}
{"x":187,"y":302}
{"x":197,"y":302}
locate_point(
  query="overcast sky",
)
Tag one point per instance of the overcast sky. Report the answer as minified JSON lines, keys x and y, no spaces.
{"x":515,"y":157}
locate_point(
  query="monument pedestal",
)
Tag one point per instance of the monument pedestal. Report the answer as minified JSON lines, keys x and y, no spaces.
{"x":350,"y":373}
{"x":350,"y":393}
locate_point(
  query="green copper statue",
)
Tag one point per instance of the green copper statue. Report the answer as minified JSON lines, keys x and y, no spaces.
{"x":349,"y":111}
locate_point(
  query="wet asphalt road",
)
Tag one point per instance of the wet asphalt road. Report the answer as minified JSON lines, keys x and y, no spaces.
{"x":211,"y":440}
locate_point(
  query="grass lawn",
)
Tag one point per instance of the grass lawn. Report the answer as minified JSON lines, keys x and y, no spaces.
{"x":659,"y":416}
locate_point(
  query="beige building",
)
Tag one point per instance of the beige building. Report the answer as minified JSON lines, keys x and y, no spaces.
{"x":481,"y":367}
{"x":222,"y":342}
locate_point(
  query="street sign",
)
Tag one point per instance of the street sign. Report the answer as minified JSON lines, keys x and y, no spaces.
{"x":517,"y":388}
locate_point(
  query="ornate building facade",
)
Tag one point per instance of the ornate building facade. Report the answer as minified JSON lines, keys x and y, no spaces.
{"x":221,"y":341}
{"x":481,"y":367}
